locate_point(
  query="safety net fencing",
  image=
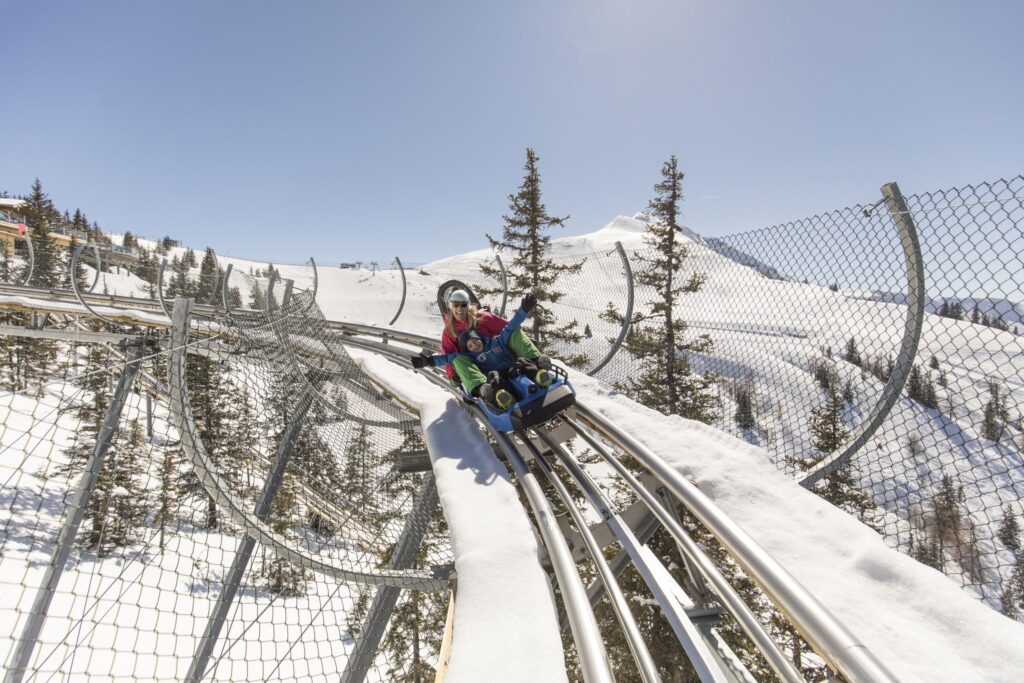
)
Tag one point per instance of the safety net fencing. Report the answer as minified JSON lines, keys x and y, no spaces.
{"x":229,"y":499}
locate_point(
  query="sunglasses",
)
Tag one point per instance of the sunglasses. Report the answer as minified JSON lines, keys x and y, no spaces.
{"x":459,"y":304}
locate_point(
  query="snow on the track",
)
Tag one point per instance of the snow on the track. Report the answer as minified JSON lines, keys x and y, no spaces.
{"x":920,"y":624}
{"x":505,"y":620}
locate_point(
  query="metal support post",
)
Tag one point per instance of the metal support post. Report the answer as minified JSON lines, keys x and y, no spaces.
{"x":160,"y":287}
{"x":401,"y":304}
{"x":21,"y":654}
{"x":504,"y":285}
{"x":149,"y":416}
{"x":238,"y":566}
{"x":627,"y":318}
{"x":900,"y":213}
{"x":379,"y":614}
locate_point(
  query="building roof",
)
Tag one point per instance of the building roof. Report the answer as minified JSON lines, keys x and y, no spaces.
{"x":11,"y":203}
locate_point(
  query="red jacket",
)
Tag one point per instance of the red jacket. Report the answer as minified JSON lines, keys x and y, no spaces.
{"x":487,"y":324}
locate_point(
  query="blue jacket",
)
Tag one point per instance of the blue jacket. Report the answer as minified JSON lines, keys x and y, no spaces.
{"x":496,"y":354}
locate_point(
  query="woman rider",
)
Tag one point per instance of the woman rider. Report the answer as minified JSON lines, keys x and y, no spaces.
{"x":463,"y":316}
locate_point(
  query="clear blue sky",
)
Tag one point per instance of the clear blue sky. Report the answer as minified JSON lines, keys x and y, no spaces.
{"x":348,"y":130}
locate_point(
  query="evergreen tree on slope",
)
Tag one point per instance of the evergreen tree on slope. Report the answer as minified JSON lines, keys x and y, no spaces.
{"x":531,"y":269}
{"x":665,"y":381}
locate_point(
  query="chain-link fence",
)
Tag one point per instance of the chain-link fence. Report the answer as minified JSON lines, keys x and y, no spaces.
{"x":138,"y":474}
{"x":807,"y":329}
{"x":807,"y":321}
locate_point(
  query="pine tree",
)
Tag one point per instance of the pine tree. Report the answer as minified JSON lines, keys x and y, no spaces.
{"x":827,"y":424}
{"x":665,"y":380}
{"x":42,"y":217}
{"x":531,"y":269}
{"x":744,"y":415}
{"x":282,"y":577}
{"x":1009,"y":529}
{"x":126,"y":509}
{"x":207,"y":276}
{"x":848,"y":393}
{"x":852,"y":355}
{"x":209,"y":397}
{"x":995,"y":414}
{"x":257,"y":299}
{"x":167,"y":492}
{"x":79,"y":275}
{"x":114,"y":511}
{"x":6,"y":266}
{"x":357,"y":470}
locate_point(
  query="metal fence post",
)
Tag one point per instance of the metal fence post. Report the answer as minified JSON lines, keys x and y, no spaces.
{"x":241,"y":560}
{"x":627,"y":317}
{"x":504,"y":284}
{"x":908,"y":346}
{"x":160,"y":286}
{"x":401,"y":305}
{"x":379,"y":614}
{"x":21,"y":654}
{"x":31,"y":257}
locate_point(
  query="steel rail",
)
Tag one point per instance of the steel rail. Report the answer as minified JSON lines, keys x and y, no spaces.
{"x":589,"y":644}
{"x":641,"y":654}
{"x":730,"y":599}
{"x":666,"y":599}
{"x":686,"y":632}
{"x":67,"y":296}
{"x":829,"y":638}
{"x":840,"y":649}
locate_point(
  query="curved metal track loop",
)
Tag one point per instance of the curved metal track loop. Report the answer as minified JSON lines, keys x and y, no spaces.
{"x":192,"y":444}
{"x":504,"y":285}
{"x":78,"y":292}
{"x":627,"y":319}
{"x":897,"y":206}
{"x":160,"y":286}
{"x":316,"y":278}
{"x":401,"y":305}
{"x":99,"y":267}
{"x":31,"y":258}
{"x":224,"y":291}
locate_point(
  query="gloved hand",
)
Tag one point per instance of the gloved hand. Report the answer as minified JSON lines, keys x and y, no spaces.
{"x":529,"y":302}
{"x":421,"y":361}
{"x":543,"y":362}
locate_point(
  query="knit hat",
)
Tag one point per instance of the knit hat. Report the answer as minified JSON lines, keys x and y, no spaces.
{"x":465,"y":337}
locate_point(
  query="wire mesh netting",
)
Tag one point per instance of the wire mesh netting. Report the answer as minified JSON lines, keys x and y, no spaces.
{"x":161,"y":547}
{"x":800,"y":327}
